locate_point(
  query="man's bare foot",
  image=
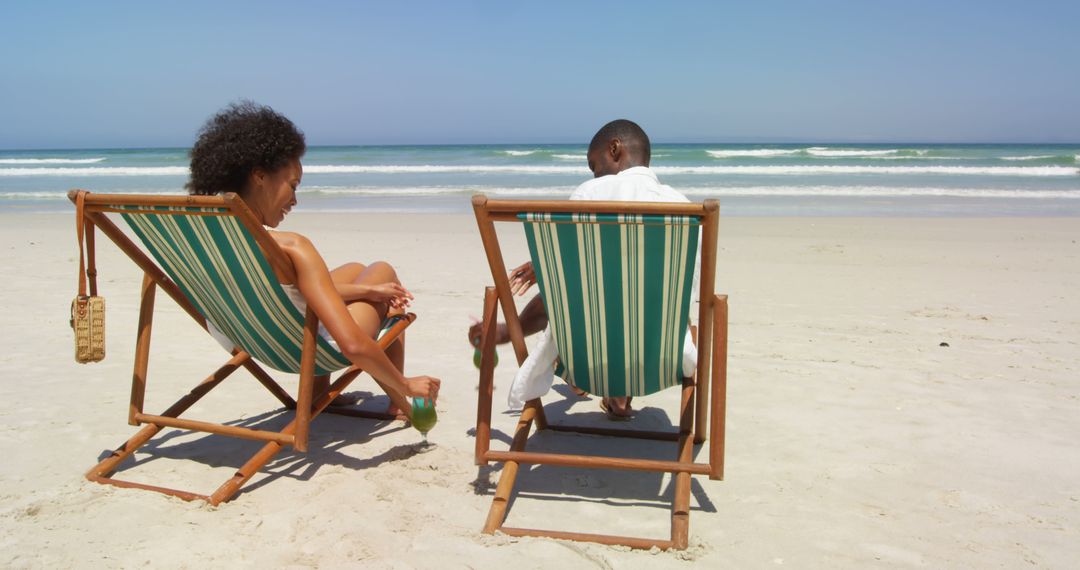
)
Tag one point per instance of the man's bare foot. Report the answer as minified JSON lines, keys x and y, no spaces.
{"x":617,"y":409}
{"x":577,"y":391}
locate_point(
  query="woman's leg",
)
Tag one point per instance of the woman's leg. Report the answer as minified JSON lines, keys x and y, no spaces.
{"x":369,"y":316}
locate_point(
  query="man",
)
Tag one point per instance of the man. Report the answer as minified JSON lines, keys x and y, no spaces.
{"x":618,"y":156}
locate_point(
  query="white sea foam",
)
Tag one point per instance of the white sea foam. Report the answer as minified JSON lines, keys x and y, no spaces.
{"x":553,"y":191}
{"x":519,"y":152}
{"x":442,"y":168}
{"x":571,"y":156}
{"x":817,"y":151}
{"x":51,"y":160}
{"x":1035,"y":171}
{"x":779,"y":170}
{"x":758,"y":152}
{"x":97,"y":171}
{"x":877,"y":191}
{"x":847,"y":153}
{"x":805,"y":170}
{"x":58,"y":195}
{"x":707,"y":191}
{"x":921,"y":156}
{"x":387,"y":191}
{"x":312,"y":194}
{"x":1031,"y":157}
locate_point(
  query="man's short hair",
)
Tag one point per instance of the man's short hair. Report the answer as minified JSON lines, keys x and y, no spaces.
{"x":632,"y":136}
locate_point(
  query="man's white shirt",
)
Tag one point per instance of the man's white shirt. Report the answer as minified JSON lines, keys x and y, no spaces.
{"x":635,"y":184}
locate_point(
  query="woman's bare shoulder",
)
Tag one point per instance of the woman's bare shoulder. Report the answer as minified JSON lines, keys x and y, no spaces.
{"x":291,"y":240}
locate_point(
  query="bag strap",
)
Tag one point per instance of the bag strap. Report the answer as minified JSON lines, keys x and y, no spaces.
{"x":84,"y":229}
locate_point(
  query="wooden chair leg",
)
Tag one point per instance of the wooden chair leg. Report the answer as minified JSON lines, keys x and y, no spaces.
{"x":142,"y":349}
{"x":307,"y":381}
{"x":701,"y":413}
{"x":487,"y":375}
{"x":680,"y":507}
{"x":497,"y":513}
{"x":719,"y":387}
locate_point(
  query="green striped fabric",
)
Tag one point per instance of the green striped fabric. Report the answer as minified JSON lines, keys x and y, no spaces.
{"x":617,"y":292}
{"x":218,"y":265}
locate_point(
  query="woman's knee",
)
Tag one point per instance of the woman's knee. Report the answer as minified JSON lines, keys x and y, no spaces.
{"x":354,"y":266}
{"x":381,"y":272}
{"x":347,"y":273}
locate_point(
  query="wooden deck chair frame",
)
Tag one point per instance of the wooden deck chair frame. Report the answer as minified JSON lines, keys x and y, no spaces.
{"x":307,"y":405}
{"x":694,"y":419}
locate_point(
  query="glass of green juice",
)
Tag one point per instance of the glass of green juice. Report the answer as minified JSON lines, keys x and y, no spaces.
{"x":423,"y":416}
{"x":477,"y":356}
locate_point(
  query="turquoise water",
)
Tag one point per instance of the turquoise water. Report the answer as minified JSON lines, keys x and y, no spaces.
{"x":758,"y":179}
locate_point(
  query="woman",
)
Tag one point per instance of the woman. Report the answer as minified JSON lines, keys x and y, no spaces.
{"x":255,"y":152}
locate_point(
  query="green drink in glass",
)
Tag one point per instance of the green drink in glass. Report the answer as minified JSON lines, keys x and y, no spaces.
{"x":477,"y":357}
{"x":423,"y":416}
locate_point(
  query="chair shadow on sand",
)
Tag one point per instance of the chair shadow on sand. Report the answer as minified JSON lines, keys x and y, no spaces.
{"x":627,"y":489}
{"x":335,"y":433}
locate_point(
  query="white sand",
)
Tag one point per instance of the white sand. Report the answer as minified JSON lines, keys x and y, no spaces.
{"x":854,"y":439}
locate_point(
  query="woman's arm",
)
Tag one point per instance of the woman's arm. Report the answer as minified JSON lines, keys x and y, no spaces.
{"x":313,"y":280}
{"x":392,"y":294}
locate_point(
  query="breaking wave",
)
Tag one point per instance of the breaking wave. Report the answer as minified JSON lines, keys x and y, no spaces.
{"x":778,"y":170}
{"x":51,"y":160}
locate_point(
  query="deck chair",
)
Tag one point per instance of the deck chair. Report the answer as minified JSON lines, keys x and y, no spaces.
{"x":217,"y":262}
{"x":615,"y":278}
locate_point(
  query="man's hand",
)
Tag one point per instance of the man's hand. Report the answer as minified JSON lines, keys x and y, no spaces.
{"x":521,"y":278}
{"x":477,"y":329}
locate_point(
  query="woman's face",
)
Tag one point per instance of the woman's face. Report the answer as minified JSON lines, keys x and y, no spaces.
{"x":271,"y":195}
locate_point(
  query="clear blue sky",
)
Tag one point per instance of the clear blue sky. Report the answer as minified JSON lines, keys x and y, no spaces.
{"x":111,"y":74}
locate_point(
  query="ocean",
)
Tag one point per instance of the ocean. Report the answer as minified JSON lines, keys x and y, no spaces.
{"x":748,"y":179}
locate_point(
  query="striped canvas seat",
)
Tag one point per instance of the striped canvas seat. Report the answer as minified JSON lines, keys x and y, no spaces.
{"x":218,"y":265}
{"x":617,"y":292}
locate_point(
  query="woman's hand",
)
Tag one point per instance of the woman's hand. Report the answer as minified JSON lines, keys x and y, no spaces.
{"x":392,"y":294}
{"x":521,"y":278}
{"x":423,"y":387}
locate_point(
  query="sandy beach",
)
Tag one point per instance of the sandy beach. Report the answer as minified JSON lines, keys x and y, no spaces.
{"x":902,"y":393}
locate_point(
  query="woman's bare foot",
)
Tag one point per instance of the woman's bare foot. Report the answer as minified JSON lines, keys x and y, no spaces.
{"x":322,"y":384}
{"x":346,"y":399}
{"x":395,"y":411}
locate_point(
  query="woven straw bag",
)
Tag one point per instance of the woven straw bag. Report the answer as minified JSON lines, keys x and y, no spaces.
{"x":87,"y":311}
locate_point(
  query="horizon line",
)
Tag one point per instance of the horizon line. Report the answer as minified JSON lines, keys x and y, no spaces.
{"x":583,"y":144}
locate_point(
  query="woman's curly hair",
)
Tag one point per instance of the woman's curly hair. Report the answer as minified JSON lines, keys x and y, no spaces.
{"x":240,"y":138}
